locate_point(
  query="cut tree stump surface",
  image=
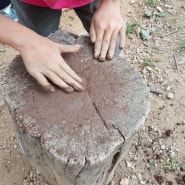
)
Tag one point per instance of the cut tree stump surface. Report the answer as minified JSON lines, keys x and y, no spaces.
{"x":78,"y":136}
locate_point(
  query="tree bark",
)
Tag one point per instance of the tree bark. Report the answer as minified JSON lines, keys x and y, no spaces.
{"x":77,"y":138}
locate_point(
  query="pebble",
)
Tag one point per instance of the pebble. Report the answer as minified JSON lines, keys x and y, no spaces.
{"x":132,"y":2}
{"x":168,"y":88}
{"x":139,"y":176}
{"x":2,"y":50}
{"x":124,"y":181}
{"x":159,"y":9}
{"x":142,"y":182}
{"x":170,"y":96}
{"x":163,"y":147}
{"x":128,"y":164}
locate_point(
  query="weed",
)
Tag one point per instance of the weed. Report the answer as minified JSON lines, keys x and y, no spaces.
{"x":180,"y":27}
{"x":131,"y":28}
{"x":152,"y":2}
{"x":181,"y":45}
{"x":171,"y":164}
{"x":148,"y":62}
{"x":152,"y":161}
{"x":140,"y":139}
{"x":157,"y":48}
{"x":174,"y":20}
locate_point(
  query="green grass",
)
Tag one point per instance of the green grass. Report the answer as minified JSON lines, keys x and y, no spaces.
{"x":181,"y":46}
{"x":180,"y":27}
{"x":152,"y":2}
{"x":170,"y":165}
{"x":148,"y":62}
{"x":131,"y":28}
{"x":157,"y":48}
{"x":174,"y":20}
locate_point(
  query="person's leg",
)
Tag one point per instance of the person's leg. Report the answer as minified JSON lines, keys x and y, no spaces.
{"x":86,"y":12}
{"x":7,"y":10}
{"x":4,"y":4}
{"x":40,"y":19}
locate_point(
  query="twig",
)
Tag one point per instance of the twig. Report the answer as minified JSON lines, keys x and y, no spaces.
{"x":176,"y":63}
{"x":156,"y":91}
{"x":169,"y":33}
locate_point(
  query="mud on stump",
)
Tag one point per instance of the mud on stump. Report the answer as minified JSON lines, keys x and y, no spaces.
{"x":77,"y":138}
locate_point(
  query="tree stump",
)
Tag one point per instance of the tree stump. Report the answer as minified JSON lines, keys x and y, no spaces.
{"x":77,"y":138}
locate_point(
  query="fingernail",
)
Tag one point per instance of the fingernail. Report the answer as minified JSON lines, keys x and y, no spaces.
{"x":109,"y":57}
{"x":102,"y":59}
{"x":79,"y":88}
{"x":69,"y":89}
{"x":80,"y":80}
{"x":52,"y":89}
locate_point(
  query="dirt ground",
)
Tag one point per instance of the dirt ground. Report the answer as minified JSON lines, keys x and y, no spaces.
{"x":157,"y":155}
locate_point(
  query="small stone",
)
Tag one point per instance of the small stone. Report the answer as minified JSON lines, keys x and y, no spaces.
{"x":170,"y":96}
{"x":2,"y":50}
{"x":142,"y":182}
{"x":172,"y":154}
{"x":139,"y":176}
{"x":168,"y":88}
{"x":149,"y":68}
{"x":129,"y":164}
{"x":112,"y":182}
{"x":163,"y":147}
{"x":124,"y":181}
{"x":132,"y":2}
{"x":159,"y":9}
{"x":2,"y":103}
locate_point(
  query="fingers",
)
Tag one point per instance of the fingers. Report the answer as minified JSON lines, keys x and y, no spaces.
{"x":43,"y":81}
{"x":92,"y":32}
{"x":70,"y":72}
{"x":122,"y":36}
{"x":59,"y":81}
{"x":98,"y":44}
{"x":105,"y":44}
{"x":61,"y":75}
{"x":55,"y":79}
{"x":69,"y":48}
{"x":104,"y":47}
{"x":67,"y":78}
{"x":112,"y":44}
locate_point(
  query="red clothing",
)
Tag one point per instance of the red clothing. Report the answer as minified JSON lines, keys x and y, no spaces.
{"x":58,"y":4}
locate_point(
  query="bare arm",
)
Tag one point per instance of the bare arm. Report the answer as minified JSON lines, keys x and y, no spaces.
{"x":106,"y":25}
{"x":41,"y":56}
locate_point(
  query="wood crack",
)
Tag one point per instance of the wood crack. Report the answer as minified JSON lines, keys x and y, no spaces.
{"x":85,"y":165}
{"x":98,"y":111}
{"x":119,"y":131}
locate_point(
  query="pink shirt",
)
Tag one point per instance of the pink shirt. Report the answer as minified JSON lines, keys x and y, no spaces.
{"x":58,"y":4}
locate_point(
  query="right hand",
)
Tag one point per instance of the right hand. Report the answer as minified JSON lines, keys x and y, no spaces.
{"x":44,"y":62}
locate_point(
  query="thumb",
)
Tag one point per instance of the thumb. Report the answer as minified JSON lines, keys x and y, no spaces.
{"x":69,"y":48}
{"x":92,"y":32}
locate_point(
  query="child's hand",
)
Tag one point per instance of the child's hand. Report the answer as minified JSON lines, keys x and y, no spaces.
{"x":44,"y":62}
{"x":106,"y":25}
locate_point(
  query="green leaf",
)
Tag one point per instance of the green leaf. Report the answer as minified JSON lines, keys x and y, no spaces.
{"x":145,"y":33}
{"x":148,"y":13}
{"x":160,"y":14}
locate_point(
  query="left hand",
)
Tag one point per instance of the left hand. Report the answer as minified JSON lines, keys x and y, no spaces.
{"x":106,"y":25}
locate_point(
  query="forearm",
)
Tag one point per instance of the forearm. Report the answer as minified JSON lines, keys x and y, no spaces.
{"x":110,"y":3}
{"x":15,"y":35}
